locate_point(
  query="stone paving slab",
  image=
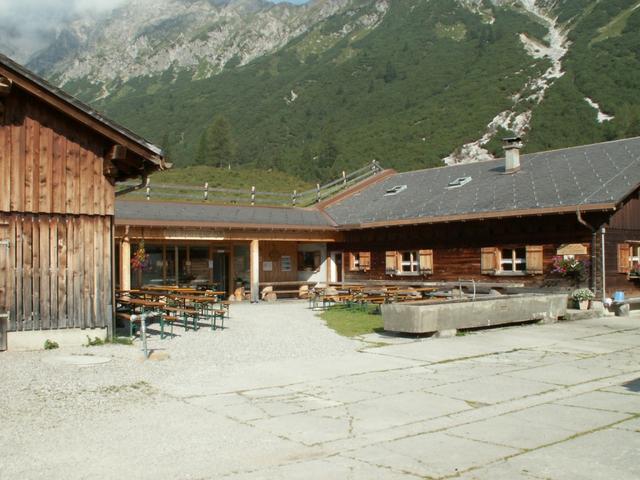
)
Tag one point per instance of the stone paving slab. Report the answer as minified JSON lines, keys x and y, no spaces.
{"x":432,"y":455}
{"x":602,"y":455}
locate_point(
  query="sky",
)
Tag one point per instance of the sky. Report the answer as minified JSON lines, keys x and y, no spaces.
{"x":28,"y":25}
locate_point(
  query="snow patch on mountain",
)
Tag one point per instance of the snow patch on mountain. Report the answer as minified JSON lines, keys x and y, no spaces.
{"x":533,"y":91}
{"x":601,"y":116}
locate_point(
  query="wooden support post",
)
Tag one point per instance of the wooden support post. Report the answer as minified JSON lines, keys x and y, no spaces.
{"x":253,"y":195}
{"x":344,"y":177}
{"x":294,"y":197}
{"x":148,"y":188}
{"x":254,"y":261}
{"x":206,"y":191}
{"x":317,"y":192}
{"x":125,"y":263}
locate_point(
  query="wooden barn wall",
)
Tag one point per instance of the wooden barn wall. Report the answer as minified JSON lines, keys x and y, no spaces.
{"x":457,"y":246}
{"x":55,"y":271}
{"x":49,"y":164}
{"x":273,"y":252}
{"x":623,"y":226}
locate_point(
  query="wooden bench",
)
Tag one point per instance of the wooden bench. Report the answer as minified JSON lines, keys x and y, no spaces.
{"x":621,"y":309}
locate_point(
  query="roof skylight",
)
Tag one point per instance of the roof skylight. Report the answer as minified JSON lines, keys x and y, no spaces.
{"x":459,"y":182}
{"x":395,"y":190}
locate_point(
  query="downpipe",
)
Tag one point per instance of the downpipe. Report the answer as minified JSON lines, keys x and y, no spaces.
{"x":594,"y":237}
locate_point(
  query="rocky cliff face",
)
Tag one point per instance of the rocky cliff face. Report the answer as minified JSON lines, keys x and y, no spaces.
{"x":149,"y":37}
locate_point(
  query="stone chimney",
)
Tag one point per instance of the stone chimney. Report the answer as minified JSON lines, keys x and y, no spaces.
{"x":512,"y":146}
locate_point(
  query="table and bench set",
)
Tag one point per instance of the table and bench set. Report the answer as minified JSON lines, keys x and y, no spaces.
{"x":360,"y":296}
{"x":171,"y":304}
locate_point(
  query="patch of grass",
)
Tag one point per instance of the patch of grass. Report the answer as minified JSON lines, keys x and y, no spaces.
{"x":351,"y":322}
{"x":97,"y":341}
{"x":120,"y":340}
{"x":50,"y":345}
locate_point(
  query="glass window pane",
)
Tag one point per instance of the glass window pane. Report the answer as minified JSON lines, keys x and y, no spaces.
{"x":199,"y":268}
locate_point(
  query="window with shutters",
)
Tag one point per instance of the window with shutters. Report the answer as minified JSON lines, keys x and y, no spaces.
{"x":629,"y":258}
{"x":512,"y":260}
{"x":360,"y":261}
{"x":409,"y":262}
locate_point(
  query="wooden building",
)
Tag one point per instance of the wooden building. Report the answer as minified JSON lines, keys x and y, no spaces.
{"x":491,"y":222}
{"x":501,"y":221}
{"x":59,"y":161}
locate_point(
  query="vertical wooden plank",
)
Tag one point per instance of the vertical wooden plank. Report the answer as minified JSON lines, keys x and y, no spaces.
{"x":72,"y":174}
{"x":96,"y":183}
{"x":78,"y":260}
{"x":88,"y":244}
{"x":4,"y":261}
{"x":27,"y":271}
{"x":45,"y":272}
{"x":35,"y":272}
{"x":97,"y":274}
{"x":109,"y":272}
{"x":54,"y":272}
{"x":45,"y":173}
{"x":18,"y":168}
{"x":5,"y":168}
{"x":58,"y":182}
{"x":63,"y":272}
{"x":11,"y":285}
{"x":85,"y":191}
{"x":28,"y":165}
{"x":34,"y":141}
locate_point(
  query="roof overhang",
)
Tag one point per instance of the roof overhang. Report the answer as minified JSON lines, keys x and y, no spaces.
{"x":150,"y":155}
{"x":220,"y":225}
{"x":479,"y":216}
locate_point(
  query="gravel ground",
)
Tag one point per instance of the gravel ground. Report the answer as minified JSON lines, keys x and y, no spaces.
{"x":38,"y":388}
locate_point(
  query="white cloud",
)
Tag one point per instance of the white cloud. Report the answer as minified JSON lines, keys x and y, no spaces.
{"x":28,"y":25}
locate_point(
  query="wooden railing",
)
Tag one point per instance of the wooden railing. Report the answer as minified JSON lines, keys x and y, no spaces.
{"x":252,"y":196}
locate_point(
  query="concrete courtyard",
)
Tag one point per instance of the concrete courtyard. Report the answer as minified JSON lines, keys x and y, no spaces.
{"x":278,"y":395}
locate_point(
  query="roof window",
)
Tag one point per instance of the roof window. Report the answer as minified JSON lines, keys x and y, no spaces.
{"x":459,"y":182}
{"x":395,"y":190}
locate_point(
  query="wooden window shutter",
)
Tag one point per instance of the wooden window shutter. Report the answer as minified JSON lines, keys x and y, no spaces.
{"x":624,"y":255}
{"x":488,"y":260}
{"x":349,"y":260}
{"x":535,"y":259}
{"x":391,"y":263}
{"x":426,"y":261}
{"x":365,"y":261}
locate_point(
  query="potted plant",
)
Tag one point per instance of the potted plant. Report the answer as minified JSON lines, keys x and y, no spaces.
{"x":582,"y":297}
{"x":570,"y":268}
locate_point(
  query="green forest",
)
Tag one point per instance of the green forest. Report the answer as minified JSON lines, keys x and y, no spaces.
{"x":407,"y":93}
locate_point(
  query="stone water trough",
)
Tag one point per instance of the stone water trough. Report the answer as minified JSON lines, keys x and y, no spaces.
{"x":451,"y":315}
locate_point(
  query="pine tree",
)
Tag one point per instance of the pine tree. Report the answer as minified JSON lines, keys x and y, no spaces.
{"x":216,"y":147}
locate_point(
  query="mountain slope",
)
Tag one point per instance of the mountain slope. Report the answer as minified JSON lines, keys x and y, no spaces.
{"x":339,"y":82}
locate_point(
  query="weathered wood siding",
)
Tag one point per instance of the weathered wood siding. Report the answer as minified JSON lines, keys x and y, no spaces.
{"x":56,"y":211}
{"x":273,"y":252}
{"x":56,"y":271}
{"x":49,"y":164}
{"x":457,"y":247}
{"x":623,"y":226}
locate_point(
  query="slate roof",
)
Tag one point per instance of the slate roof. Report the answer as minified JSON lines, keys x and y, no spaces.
{"x":585,"y":176}
{"x":157,"y":213}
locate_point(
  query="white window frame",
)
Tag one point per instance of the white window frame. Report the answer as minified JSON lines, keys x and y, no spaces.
{"x":634,"y":254}
{"x":513,"y":261}
{"x":413,"y":263}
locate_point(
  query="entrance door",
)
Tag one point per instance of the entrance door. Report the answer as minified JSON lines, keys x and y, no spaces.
{"x":335,"y":271}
